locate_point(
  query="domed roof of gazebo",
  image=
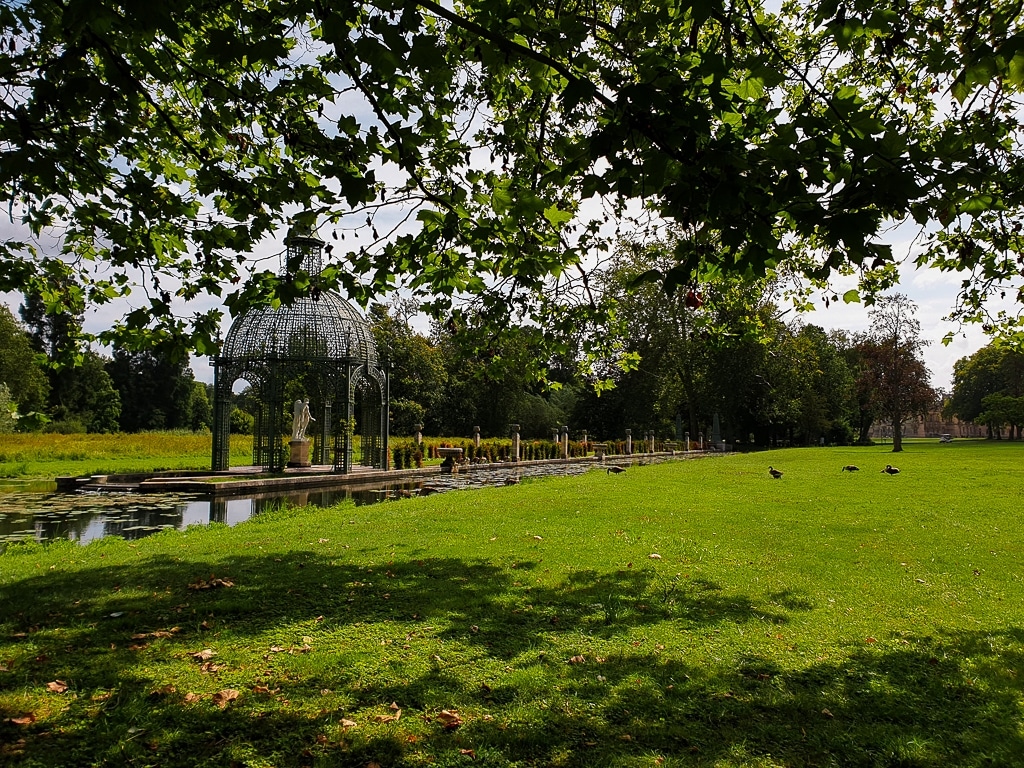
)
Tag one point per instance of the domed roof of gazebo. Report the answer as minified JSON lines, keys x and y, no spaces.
{"x":324,"y":328}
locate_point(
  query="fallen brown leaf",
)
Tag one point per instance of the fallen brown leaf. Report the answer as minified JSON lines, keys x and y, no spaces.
{"x":204,"y":655}
{"x":449,"y":718}
{"x":192,"y":698}
{"x":346,"y":723}
{"x":209,"y":667}
{"x":468,"y":753}
{"x":162,"y":691}
{"x":388,"y":718}
{"x":23,"y":720}
{"x":57,"y":686}
{"x":221,"y":698}
{"x":577,"y":660}
{"x":265,"y":690}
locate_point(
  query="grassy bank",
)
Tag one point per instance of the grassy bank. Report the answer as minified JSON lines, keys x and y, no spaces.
{"x":696,"y":613}
{"x":46,"y":456}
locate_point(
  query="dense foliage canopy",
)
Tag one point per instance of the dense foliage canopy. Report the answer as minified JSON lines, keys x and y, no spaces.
{"x":487,"y":150}
{"x":988,"y":388}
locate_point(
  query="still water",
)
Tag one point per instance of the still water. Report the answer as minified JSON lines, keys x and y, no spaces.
{"x":36,"y":513}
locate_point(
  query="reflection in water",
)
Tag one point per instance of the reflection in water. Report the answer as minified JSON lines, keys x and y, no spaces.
{"x":86,"y":516}
{"x":83,"y":517}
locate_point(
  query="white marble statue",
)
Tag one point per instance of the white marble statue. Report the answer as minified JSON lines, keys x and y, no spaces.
{"x":300,"y":419}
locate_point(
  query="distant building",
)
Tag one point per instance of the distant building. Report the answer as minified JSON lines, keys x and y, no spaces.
{"x":932,"y":425}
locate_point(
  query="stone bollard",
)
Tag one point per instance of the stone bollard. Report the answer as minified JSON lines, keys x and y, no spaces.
{"x":419,"y":434}
{"x":629,"y":442}
{"x":565,"y":442}
{"x":476,"y":437}
{"x":515,"y":442}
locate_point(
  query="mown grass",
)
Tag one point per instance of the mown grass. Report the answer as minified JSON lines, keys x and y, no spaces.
{"x":46,"y":456}
{"x":824,"y":619}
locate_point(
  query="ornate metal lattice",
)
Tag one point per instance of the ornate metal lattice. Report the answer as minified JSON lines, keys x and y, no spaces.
{"x":318,"y":346}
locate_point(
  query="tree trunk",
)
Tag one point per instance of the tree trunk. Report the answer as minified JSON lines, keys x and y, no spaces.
{"x":865,"y":428}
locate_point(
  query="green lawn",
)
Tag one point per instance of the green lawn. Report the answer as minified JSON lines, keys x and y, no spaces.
{"x":36,"y":456}
{"x":694,"y":613}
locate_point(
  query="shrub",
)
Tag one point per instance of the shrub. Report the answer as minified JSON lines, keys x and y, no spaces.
{"x":242,"y":422}
{"x":69,"y":426}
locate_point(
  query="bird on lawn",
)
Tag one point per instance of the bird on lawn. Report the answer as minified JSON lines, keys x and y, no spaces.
{"x":616,"y":469}
{"x":891,"y":470}
{"x":512,"y":480}
{"x":774,"y":472}
{"x":851,"y":468}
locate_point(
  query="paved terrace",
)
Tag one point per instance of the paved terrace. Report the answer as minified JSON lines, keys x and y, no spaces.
{"x":249,"y":480}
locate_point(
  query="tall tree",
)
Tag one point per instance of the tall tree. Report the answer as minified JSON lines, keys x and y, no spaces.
{"x":899,"y":379}
{"x":53,"y":318}
{"x":825,"y":398}
{"x":19,"y":370}
{"x":155,"y":389}
{"x":85,"y":395}
{"x":416,"y":369}
{"x":8,"y":410}
{"x":164,"y":141}
{"x":992,"y":370}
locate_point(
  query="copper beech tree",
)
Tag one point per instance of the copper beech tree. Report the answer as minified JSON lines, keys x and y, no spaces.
{"x":893,"y":370}
{"x":483,"y":153}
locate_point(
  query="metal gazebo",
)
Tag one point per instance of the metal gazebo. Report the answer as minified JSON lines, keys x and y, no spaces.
{"x":320,"y":345}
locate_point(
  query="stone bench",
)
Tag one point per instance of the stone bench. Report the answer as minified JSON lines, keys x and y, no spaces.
{"x":600,"y":449}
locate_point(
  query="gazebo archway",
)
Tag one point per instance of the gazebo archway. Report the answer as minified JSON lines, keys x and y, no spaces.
{"x":318,"y":347}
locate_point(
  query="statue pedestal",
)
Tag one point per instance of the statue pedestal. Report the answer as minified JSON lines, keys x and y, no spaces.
{"x":299,"y":454}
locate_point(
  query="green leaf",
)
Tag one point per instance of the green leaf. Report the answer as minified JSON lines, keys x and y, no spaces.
{"x":852,"y":296}
{"x":977,"y":204}
{"x":1015,"y":71}
{"x":556,"y":216}
{"x":645,"y":278}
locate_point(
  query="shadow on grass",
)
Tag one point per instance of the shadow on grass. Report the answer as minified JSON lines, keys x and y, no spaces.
{"x":943,"y":701}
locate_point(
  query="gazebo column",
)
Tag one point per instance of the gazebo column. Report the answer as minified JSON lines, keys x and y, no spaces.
{"x":349,"y":411}
{"x":221,"y":460}
{"x":274,"y":424}
{"x":385,"y":422}
{"x":323,"y":435}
